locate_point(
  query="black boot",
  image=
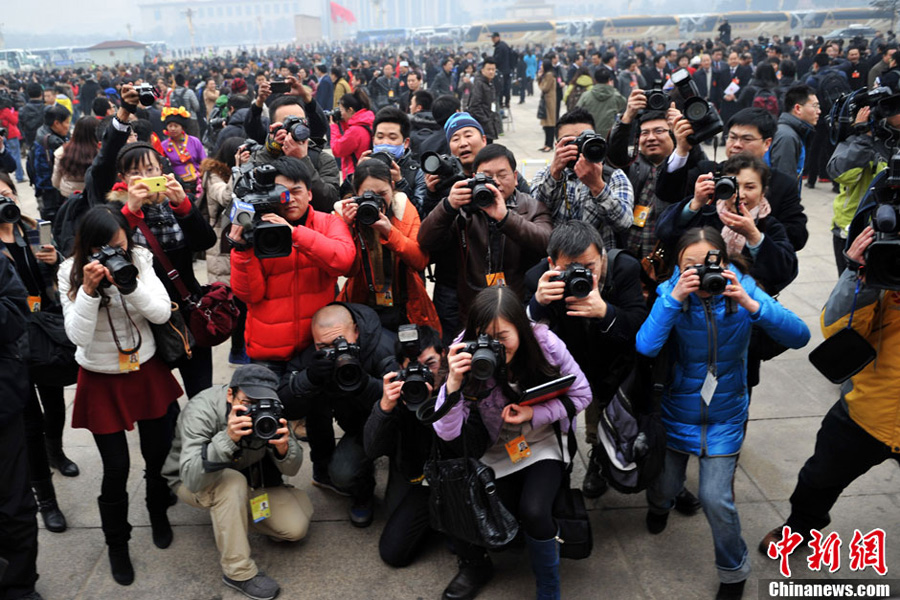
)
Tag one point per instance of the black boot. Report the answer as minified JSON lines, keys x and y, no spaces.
{"x":117,"y":530}
{"x":471,"y":577}
{"x":687,"y":503}
{"x":58,"y":459}
{"x":45,"y":495}
{"x":157,"y":505}
{"x":594,"y":485}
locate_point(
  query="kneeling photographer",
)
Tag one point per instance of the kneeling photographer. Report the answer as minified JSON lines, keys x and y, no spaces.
{"x":232,"y":445}
{"x":340,"y":378}
{"x":395,"y":430}
{"x":592,"y":300}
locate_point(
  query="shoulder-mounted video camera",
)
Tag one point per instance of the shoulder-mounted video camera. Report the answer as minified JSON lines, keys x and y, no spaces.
{"x":255,"y":194}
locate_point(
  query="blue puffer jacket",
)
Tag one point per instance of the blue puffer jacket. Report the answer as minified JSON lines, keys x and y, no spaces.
{"x":691,"y":425}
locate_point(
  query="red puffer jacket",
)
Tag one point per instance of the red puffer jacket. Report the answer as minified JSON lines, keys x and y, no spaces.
{"x":9,"y":118}
{"x":282,"y":294}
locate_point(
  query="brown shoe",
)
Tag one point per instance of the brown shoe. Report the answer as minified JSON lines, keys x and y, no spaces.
{"x":770,"y":538}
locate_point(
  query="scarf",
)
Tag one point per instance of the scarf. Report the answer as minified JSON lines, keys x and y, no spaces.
{"x":734,"y":241}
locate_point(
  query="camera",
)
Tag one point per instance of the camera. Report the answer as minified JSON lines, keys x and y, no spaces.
{"x":348,"y":371}
{"x":256,"y":194}
{"x":124,"y":273}
{"x":445,"y":166}
{"x":266,"y":415}
{"x":9,"y":210}
{"x":701,"y":114}
{"x":843,"y":114}
{"x":657,"y":99}
{"x":384,"y":157}
{"x":488,"y":357}
{"x":726,"y":186}
{"x":217,"y":123}
{"x":369,"y":208}
{"x":4,"y":132}
{"x":297,"y":127}
{"x":147,"y":93}
{"x":711,"y":275}
{"x":590,"y":145}
{"x":482,"y":197}
{"x":579,"y":280}
{"x":250,"y":145}
{"x":416,"y":377}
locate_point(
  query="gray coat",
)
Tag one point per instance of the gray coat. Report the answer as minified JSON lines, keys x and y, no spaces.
{"x":787,"y":149}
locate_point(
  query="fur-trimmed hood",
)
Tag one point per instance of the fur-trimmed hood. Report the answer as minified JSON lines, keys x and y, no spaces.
{"x":215,"y":166}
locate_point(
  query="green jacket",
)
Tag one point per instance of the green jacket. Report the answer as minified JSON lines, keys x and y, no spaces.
{"x":604,"y":102}
{"x":202,"y":449}
{"x":855,"y":163}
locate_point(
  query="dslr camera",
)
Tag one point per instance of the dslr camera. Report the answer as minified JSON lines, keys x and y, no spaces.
{"x":124,"y":273}
{"x":590,"y":145}
{"x":726,"y":186}
{"x":384,"y":157}
{"x":348,"y":371}
{"x":579,"y":280}
{"x":266,"y":415}
{"x":701,"y":114}
{"x":482,"y":197}
{"x":657,"y":99}
{"x":147,"y":93}
{"x":488,"y":357}
{"x":369,"y":208}
{"x":445,"y":166}
{"x":711,"y":275}
{"x":9,"y":210}
{"x":255,"y":194}
{"x":416,"y":377}
{"x":297,"y":128}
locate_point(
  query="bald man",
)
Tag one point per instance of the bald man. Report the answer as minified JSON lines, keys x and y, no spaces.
{"x":340,"y":377}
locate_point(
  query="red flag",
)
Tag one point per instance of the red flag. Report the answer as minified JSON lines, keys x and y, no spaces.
{"x":339,"y":13}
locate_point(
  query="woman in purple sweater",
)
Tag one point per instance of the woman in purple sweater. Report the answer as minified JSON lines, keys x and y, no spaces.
{"x":489,"y":418}
{"x":185,"y":152}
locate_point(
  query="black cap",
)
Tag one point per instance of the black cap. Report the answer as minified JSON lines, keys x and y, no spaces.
{"x":256,"y":381}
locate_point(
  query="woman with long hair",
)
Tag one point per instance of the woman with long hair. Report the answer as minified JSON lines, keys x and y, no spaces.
{"x":73,"y":158}
{"x":351,"y":130}
{"x":110,"y":296}
{"x":528,"y":354}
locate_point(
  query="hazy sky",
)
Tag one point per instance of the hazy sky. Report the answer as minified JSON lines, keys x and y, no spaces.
{"x":67,"y":18}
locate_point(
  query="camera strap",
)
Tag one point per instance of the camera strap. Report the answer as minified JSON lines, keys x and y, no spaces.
{"x":171,"y":272}
{"x":134,"y":328}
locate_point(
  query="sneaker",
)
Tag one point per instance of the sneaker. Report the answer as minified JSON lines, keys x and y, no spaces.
{"x":362,"y":512}
{"x":261,"y":587}
{"x":656,"y":523}
{"x":687,"y":503}
{"x":321,"y":479}
{"x":238,"y":358}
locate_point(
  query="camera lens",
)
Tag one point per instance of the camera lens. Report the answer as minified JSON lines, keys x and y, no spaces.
{"x":265,"y":426}
{"x":594,"y":149}
{"x":432,"y":163}
{"x":657,"y":100}
{"x":9,"y":212}
{"x":714,"y":283}
{"x":300,"y":132}
{"x":415,"y":392}
{"x":348,"y":372}
{"x":484,"y":363}
{"x":482,"y":197}
{"x":695,"y":109}
{"x":724,"y":189}
{"x":124,"y":273}
{"x":883,"y":264}
{"x":580,"y":287}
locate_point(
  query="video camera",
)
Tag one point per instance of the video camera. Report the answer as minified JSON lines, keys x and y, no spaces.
{"x":124,"y":274}
{"x":711,"y":275}
{"x":843,"y":113}
{"x":416,"y":377}
{"x":369,"y":208}
{"x":590,"y":145}
{"x":445,"y":166}
{"x":147,"y":94}
{"x":255,"y":194}
{"x":701,"y":114}
{"x":488,"y":357}
{"x":266,"y":415}
{"x":482,"y":197}
{"x":348,"y":371}
{"x":579,"y":280}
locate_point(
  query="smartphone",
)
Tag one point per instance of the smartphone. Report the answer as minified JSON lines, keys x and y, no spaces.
{"x":45,"y":232}
{"x":156,"y":184}
{"x":279,"y":87}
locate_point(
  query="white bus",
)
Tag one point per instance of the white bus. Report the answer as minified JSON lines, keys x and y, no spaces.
{"x":18,"y":60}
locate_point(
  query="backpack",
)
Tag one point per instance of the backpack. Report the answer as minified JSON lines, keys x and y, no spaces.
{"x":832,"y":85}
{"x":179,"y":101}
{"x":574,"y":96}
{"x":66,"y":221}
{"x":767,"y":100}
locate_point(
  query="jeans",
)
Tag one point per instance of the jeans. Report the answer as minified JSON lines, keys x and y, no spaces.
{"x":16,"y":150}
{"x":717,"y":498}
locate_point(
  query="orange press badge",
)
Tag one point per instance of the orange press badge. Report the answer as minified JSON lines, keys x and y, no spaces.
{"x":384,"y":297}
{"x":497,"y":279}
{"x":34,"y":303}
{"x":640,"y":215}
{"x":518,"y":449}
{"x":129,"y":362}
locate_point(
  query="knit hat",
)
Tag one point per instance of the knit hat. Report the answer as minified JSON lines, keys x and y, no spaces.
{"x":460,"y":121}
{"x":239,"y":86}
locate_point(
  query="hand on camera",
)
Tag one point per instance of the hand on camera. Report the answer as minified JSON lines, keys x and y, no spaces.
{"x":263,"y":92}
{"x":683,"y":129}
{"x":174,"y":192}
{"x":637,"y":101}
{"x":432,"y":181}
{"x":591,"y":175}
{"x":236,"y":234}
{"x":239,"y":424}
{"x":460,"y":363}
{"x":688,"y":283}
{"x":549,"y":291}
{"x":391,"y":394}
{"x":241,"y":157}
{"x":497,"y":211}
{"x":562,"y":156}
{"x":592,"y":306}
{"x":736,"y":291}
{"x":320,"y":371}
{"x":47,"y":255}
{"x":703,"y":191}
{"x":282,"y":439}
{"x":93,"y":274}
{"x":139,"y":194}
{"x":460,"y":195}
{"x":857,"y":250}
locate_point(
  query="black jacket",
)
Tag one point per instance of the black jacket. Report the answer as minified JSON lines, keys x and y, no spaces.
{"x":351,"y":409}
{"x":502,"y":55}
{"x":31,"y":117}
{"x":401,"y":436}
{"x":256,"y":127}
{"x":441,"y":84}
{"x":783,"y":195}
{"x":426,"y":135}
{"x":234,"y":127}
{"x":14,"y":380}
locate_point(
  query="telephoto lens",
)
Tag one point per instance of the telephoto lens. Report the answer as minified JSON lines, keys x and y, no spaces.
{"x":9,"y":211}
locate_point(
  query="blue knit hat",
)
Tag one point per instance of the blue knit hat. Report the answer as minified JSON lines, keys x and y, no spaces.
{"x":459,"y":121}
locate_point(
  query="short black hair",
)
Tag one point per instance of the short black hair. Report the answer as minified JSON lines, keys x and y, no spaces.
{"x":284,"y":100}
{"x":337,"y":72}
{"x":572,"y":239}
{"x":293,"y":169}
{"x":239,"y":101}
{"x":179,"y":79}
{"x":798,"y":94}
{"x":142,"y":129}
{"x":755,"y":117}
{"x":445,"y":61}
{"x":491,"y":152}
{"x":822,"y":59}
{"x":608,"y":56}
{"x":444,"y":107}
{"x":602,"y":75}
{"x":56,"y":114}
{"x":576,"y":115}
{"x":100,"y":106}
{"x":488,"y":61}
{"x":650,"y":115}
{"x":424,"y":99}
{"x":788,"y":68}
{"x":392,"y":114}
{"x":34,"y":90}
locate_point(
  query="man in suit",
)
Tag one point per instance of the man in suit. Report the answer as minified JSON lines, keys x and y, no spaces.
{"x":656,"y":75}
{"x":705,"y":78}
{"x":325,"y":89}
{"x":733,"y":73}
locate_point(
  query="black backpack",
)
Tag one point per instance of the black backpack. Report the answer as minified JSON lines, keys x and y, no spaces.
{"x":66,"y":222}
{"x":832,"y":85}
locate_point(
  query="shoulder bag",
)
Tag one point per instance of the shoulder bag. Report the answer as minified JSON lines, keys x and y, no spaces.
{"x":576,"y":540}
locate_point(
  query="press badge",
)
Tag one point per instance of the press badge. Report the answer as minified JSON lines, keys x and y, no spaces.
{"x":640,"y":215}
{"x":384,"y":297}
{"x":518,"y":449}
{"x":709,"y":387}
{"x":129,"y":362}
{"x":34,"y":303}
{"x":497,"y":279}
{"x":259,"y":507}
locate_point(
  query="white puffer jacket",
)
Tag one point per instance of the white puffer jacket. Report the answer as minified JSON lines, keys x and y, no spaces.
{"x":88,"y":327}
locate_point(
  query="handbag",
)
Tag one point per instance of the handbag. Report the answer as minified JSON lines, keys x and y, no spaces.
{"x":173,"y":338}
{"x":575,"y":537}
{"x":51,"y":355}
{"x":464,"y":502}
{"x":213,"y":317}
{"x":845,"y":353}
{"x":542,"y":108}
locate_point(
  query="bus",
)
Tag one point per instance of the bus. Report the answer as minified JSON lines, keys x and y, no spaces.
{"x":18,"y":60}
{"x":514,"y":33}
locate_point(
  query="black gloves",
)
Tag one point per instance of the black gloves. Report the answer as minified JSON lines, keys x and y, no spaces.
{"x":320,"y":371}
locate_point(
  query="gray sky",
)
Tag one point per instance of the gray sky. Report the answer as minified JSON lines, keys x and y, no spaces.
{"x":67,"y":19}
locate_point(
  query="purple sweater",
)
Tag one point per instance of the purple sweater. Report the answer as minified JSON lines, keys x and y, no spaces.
{"x":450,"y":427}
{"x":187,"y":170}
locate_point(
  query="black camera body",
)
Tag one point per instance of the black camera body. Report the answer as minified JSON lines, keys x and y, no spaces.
{"x":369,"y":208}
{"x":250,"y":145}
{"x":147,"y":93}
{"x":590,"y":145}
{"x":296,"y":127}
{"x":4,"y":132}
{"x":726,"y":186}
{"x":445,"y":166}
{"x":9,"y":210}
{"x":416,"y":377}
{"x":842,"y":117}
{"x":123,"y":272}
{"x":883,"y":254}
{"x":657,"y":100}
{"x":266,"y":415}
{"x":488,"y":357}
{"x":384,"y":157}
{"x":701,"y":114}
{"x":579,"y":280}
{"x":348,"y":371}
{"x":482,"y":197}
{"x":256,"y":194}
{"x":712,"y":279}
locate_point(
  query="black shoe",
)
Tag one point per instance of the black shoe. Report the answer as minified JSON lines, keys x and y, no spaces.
{"x":594,"y":485}
{"x":469,"y":580}
{"x":810,"y":184}
{"x":362,"y":512}
{"x":45,"y":495}
{"x":58,"y":459}
{"x":836,"y":188}
{"x":730,"y":591}
{"x":120,"y":564}
{"x":321,"y":479}
{"x":686,"y":503}
{"x":656,"y":523}
{"x":162,"y":531}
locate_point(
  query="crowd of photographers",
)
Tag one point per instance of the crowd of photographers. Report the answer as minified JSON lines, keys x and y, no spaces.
{"x":630,"y":243}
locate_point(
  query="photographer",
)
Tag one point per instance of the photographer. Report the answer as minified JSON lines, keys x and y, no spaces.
{"x":393,"y":430}
{"x":282,"y":294}
{"x":598,"y":327}
{"x":587,"y":191}
{"x":340,"y":378}
{"x":220,"y":463}
{"x":385,"y":275}
{"x":750,"y":130}
{"x":391,"y":135}
{"x":498,"y":240}
{"x":258,"y":127}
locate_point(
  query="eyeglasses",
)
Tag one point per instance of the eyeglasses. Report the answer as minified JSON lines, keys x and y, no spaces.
{"x":658,"y":132}
{"x":744,"y":139}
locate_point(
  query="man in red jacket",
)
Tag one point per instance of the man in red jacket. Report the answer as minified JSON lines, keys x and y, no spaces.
{"x":282,"y":294}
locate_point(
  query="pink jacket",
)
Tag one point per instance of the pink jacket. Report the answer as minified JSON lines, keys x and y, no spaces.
{"x":355,"y":140}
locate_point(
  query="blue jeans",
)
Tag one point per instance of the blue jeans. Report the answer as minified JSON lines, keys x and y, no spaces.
{"x":717,"y":498}
{"x":16,"y":151}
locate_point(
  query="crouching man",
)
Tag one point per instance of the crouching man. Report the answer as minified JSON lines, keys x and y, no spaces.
{"x":230,"y":450}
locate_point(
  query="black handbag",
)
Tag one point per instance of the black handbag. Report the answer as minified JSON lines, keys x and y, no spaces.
{"x":542,"y":108}
{"x":51,"y":356}
{"x":464,"y":501}
{"x":845,"y":353}
{"x":173,"y":338}
{"x":576,"y":539}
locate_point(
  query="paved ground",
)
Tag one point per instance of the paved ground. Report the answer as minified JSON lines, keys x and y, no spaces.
{"x":339,"y":561}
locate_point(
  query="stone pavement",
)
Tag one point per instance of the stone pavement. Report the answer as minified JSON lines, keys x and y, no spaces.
{"x":339,"y":561}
